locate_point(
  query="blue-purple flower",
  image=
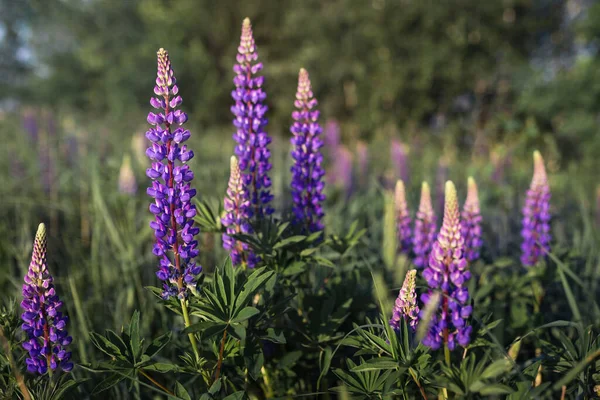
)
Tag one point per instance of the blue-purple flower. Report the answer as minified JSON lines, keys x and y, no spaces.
{"x":406,"y":306}
{"x":44,"y":324}
{"x":425,"y":228}
{"x":471,"y":223}
{"x":307,"y":172}
{"x":237,"y":219}
{"x":173,"y":210}
{"x":399,"y":160}
{"x":403,"y":231}
{"x":536,"y":215}
{"x":250,"y":122}
{"x":448,"y":273}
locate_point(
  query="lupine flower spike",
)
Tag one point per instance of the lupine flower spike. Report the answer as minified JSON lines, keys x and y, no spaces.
{"x":399,"y":160}
{"x":403,"y":231}
{"x":250,"y":121}
{"x":471,"y":223}
{"x":536,"y":215}
{"x":44,"y":324}
{"x":448,"y":273}
{"x":173,"y":210}
{"x":425,"y":228}
{"x":406,"y":306}
{"x":237,"y":219}
{"x":307,"y":171}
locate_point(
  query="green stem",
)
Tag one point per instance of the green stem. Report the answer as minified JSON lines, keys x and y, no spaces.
{"x":186,"y":319}
{"x":447,"y":355}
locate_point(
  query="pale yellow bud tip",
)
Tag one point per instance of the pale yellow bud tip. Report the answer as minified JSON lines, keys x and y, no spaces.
{"x":246,"y":21}
{"x":41,"y":231}
{"x":233,"y":162}
{"x":425,"y":187}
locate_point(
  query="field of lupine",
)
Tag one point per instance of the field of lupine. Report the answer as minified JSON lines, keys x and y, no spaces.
{"x":259,"y":268}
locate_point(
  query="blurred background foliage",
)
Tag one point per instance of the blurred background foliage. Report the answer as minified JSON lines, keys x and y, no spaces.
{"x":417,"y":65}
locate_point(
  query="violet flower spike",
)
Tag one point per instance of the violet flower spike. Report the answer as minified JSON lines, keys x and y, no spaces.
{"x":250,"y":122}
{"x":448,"y":273}
{"x":471,"y":223}
{"x":44,"y":324}
{"x":403,"y":220}
{"x":173,"y":209}
{"x":399,"y":160}
{"x":406,"y":306}
{"x":425,"y":228}
{"x":236,"y":220}
{"x":536,"y":215}
{"x":307,"y":172}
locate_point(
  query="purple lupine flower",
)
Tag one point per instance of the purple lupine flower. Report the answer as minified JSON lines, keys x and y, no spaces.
{"x":173,"y":209}
{"x":127,"y":183}
{"x":448,"y":273}
{"x":471,"y":223}
{"x":406,"y":306}
{"x":43,"y":323}
{"x":342,"y":169}
{"x":362,"y":156}
{"x":332,"y":135}
{"x":307,"y":171}
{"x":536,"y":215}
{"x":399,"y":160}
{"x":236,"y":220}
{"x":425,"y":228}
{"x":403,"y":221}
{"x":250,"y":121}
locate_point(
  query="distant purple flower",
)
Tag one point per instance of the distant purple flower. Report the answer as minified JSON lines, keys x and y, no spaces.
{"x":362,"y":156}
{"x":332,"y":135}
{"x":471,"y":223}
{"x":342,"y":169}
{"x":425,"y":228}
{"x":43,"y":323}
{"x":403,"y":221}
{"x":399,"y":160}
{"x":536,"y":215}
{"x":448,"y":273}
{"x":250,"y":121}
{"x":171,"y":176}
{"x":30,"y":124}
{"x":237,"y":219}
{"x":307,"y":171}
{"x":127,"y":183}
{"x":406,"y":306}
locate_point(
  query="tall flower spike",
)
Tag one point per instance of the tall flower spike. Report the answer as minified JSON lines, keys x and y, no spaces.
{"x":536,"y":215}
{"x":406,"y":306}
{"x":425,"y":228}
{"x":307,"y":171}
{"x":402,"y":218}
{"x":237,"y":219}
{"x":448,"y":273}
{"x":399,"y":160}
{"x":471,"y":222}
{"x":173,"y":209}
{"x":250,"y":121}
{"x":43,"y":323}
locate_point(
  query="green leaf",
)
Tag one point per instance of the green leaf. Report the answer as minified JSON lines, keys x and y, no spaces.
{"x":496,"y":368}
{"x":324,"y":363}
{"x":289,"y":241}
{"x":206,"y":328}
{"x":255,"y":281}
{"x":238,"y":331}
{"x":492,"y":389}
{"x":104,"y":345}
{"x":236,"y":396}
{"x":109,"y":382}
{"x":377,"y":364}
{"x":161,"y":367}
{"x":244,"y":314}
{"x":158,"y":344}
{"x":181,"y":392}
{"x":289,"y":359}
{"x":134,"y":335}
{"x":275,"y":336}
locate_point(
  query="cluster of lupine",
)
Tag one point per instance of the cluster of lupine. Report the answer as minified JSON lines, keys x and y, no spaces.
{"x":403,"y":220}
{"x":237,"y":219}
{"x":44,"y":324}
{"x":307,"y":172}
{"x":471,"y":223}
{"x":448,"y":272}
{"x":173,"y":210}
{"x":536,"y":215}
{"x":250,"y":121}
{"x":406,"y":306}
{"x":425,"y":228}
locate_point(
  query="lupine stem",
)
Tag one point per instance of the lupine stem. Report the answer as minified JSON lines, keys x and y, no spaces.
{"x":220,"y":361}
{"x":187,"y":323}
{"x":161,"y":387}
